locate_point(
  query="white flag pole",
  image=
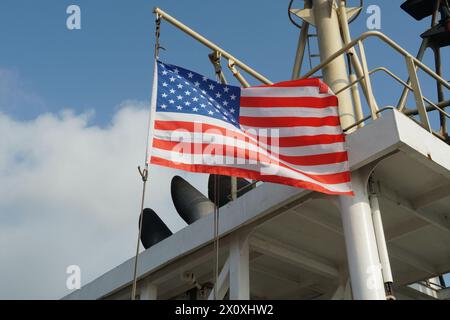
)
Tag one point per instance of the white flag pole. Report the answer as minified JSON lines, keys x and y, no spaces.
{"x":148,"y":151}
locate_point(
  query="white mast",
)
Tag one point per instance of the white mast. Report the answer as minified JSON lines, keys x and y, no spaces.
{"x":362,"y":253}
{"x":330,"y":41}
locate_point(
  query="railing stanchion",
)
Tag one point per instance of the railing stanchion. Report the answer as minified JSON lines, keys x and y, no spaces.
{"x":417,"y":93}
{"x":371,"y":100}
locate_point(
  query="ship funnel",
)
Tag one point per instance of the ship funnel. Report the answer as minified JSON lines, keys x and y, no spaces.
{"x":190,"y":203}
{"x":154,"y":230}
{"x":224,"y":183}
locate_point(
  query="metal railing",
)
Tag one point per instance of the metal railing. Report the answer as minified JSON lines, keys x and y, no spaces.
{"x":412,"y":85}
{"x":232,"y":61}
{"x":412,"y":65}
{"x":430,"y":107}
{"x":431,"y":285}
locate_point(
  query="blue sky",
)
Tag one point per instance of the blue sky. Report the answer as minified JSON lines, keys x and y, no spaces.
{"x":110,"y":59}
{"x":75,"y":101}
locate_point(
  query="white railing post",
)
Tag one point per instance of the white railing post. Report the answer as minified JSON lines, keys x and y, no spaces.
{"x":239,"y":268}
{"x":370,"y":97}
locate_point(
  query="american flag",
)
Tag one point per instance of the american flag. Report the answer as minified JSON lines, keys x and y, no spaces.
{"x":287,"y":133}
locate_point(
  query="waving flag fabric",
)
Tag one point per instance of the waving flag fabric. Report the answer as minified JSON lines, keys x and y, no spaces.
{"x":287,"y":133}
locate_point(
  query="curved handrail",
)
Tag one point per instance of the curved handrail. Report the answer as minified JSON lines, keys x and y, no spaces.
{"x":393,"y":75}
{"x":411,"y":62}
{"x":167,"y":17}
{"x":386,"y":70}
{"x":397,"y":78}
{"x":367,"y":118}
{"x":385,"y":39}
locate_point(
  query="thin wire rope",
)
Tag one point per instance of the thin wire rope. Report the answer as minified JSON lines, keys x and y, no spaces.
{"x":216,"y":236}
{"x":216,"y":204}
{"x":141,"y":218}
{"x":217,"y":230}
{"x":155,"y":56}
{"x":144,"y":173}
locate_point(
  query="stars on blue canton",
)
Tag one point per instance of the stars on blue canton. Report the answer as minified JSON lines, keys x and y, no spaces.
{"x":185,"y":91}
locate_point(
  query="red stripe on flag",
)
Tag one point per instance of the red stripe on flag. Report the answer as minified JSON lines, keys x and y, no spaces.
{"x":244,"y":173}
{"x":301,"y":141}
{"x":284,"y":122}
{"x":317,"y":159}
{"x":288,"y":102}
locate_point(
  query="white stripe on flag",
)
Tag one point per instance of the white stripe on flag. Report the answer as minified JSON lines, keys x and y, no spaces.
{"x":206,"y":137}
{"x":288,"y":112}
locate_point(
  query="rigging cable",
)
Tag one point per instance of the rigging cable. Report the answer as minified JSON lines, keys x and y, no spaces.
{"x":144,"y":173}
{"x":215,"y":59}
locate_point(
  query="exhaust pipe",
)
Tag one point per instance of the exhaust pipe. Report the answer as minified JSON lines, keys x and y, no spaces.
{"x":190,"y":203}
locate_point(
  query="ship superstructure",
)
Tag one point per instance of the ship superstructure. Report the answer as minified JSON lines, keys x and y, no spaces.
{"x":391,"y":240}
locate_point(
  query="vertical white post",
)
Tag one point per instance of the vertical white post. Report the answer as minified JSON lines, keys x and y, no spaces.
{"x":239,"y":268}
{"x":370,"y":98}
{"x":418,"y":93}
{"x":330,"y":41}
{"x":362,"y":253}
{"x":148,"y":291}
{"x":300,"y":53}
{"x":381,"y":241}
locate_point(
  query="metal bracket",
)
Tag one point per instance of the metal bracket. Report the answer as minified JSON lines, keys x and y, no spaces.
{"x":307,"y":15}
{"x":214,"y":57}
{"x":237,"y":74}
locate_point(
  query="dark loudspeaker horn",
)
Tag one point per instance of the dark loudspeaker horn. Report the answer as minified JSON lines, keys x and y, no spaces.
{"x":419,"y":9}
{"x":190,"y":203}
{"x":154,"y":230}
{"x":224,"y":188}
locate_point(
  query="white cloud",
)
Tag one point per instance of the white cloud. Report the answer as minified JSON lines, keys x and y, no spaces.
{"x":70,"y":194}
{"x":16,"y":95}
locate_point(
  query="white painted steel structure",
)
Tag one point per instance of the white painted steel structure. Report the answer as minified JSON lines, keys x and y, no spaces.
{"x":279,"y":242}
